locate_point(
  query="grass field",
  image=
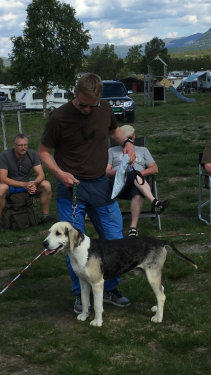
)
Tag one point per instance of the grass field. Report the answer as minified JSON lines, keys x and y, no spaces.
{"x":40,"y":334}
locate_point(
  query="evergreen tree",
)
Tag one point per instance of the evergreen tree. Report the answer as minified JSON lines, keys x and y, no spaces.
{"x":104,"y":62}
{"x":133,"y":59}
{"x":156,"y":47}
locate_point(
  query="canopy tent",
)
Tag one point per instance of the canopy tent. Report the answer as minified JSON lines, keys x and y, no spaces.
{"x":194,"y":77}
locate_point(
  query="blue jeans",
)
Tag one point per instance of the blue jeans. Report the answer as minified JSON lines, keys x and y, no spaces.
{"x":107,"y":220}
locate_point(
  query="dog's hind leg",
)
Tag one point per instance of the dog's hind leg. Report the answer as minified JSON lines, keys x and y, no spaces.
{"x":97,"y":289}
{"x":154,"y":278}
{"x":85,"y":298}
{"x":154,"y":308}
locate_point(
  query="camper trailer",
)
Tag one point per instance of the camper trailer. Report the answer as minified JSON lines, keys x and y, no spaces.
{"x":199,"y":81}
{"x":33,"y":100}
{"x":204,"y":80}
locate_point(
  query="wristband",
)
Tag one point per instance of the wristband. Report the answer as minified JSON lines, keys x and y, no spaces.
{"x":127,"y":140}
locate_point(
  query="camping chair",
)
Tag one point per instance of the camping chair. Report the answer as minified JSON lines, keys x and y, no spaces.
{"x":207,"y":186}
{"x":141,"y":141}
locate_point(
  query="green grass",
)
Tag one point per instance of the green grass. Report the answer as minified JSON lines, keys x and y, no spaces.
{"x":39,"y":330}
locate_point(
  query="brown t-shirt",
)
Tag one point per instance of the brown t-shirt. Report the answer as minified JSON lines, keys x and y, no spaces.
{"x":206,"y":158}
{"x":80,"y":141}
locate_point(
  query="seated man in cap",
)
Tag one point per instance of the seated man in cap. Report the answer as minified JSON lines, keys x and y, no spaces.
{"x":133,"y":189}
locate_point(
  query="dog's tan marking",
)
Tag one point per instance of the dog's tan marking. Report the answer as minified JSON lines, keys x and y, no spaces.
{"x":73,"y":236}
{"x":93,"y":269}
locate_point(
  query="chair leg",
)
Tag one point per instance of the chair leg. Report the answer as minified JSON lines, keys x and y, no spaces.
{"x":155,"y":193}
{"x":200,"y":205}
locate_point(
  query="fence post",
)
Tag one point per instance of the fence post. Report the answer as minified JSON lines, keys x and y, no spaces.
{"x":19,"y":121}
{"x":4,"y":130}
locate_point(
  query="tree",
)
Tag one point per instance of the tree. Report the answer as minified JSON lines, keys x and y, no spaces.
{"x":4,"y":76}
{"x":133,"y":59}
{"x":51,"y":48}
{"x":104,"y":62}
{"x":154,"y":48}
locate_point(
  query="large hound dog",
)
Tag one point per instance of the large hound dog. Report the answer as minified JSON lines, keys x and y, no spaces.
{"x":96,"y":260}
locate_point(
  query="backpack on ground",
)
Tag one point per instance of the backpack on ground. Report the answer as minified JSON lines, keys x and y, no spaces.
{"x":19,"y":212}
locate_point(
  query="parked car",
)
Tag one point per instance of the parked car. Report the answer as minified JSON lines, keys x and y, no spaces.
{"x":122,"y":105}
{"x":4,"y":99}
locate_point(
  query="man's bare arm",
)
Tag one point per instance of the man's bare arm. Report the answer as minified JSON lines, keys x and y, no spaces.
{"x":16,"y":184}
{"x":207,"y":167}
{"x":40,"y":174}
{"x":151,"y":169}
{"x":110,"y":172}
{"x":49,"y":162}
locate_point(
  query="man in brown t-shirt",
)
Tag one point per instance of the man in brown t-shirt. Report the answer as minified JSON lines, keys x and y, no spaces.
{"x":78,"y":131}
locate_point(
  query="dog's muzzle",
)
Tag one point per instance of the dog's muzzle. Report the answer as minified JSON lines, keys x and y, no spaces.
{"x":51,"y":251}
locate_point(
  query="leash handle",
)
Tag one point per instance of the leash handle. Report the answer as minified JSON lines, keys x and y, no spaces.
{"x":74,"y":205}
{"x":137,"y":173}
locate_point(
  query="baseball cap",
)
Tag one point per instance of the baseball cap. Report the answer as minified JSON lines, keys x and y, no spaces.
{"x":128,"y":130}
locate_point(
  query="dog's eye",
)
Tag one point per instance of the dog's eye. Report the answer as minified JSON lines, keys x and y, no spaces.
{"x":58,"y":233}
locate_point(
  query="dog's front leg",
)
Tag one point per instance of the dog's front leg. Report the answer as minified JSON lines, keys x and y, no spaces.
{"x":85,"y":298}
{"x":97,"y":289}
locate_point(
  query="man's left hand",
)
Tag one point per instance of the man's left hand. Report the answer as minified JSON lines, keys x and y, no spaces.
{"x":130,"y":150}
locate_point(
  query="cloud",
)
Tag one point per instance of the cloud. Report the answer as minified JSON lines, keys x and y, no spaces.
{"x":119,"y":21}
{"x":5,"y":44}
{"x":173,"y":34}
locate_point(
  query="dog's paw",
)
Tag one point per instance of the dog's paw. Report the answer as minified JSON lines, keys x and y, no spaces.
{"x":83,"y":316}
{"x":154,"y":308}
{"x":96,"y":323}
{"x":156,"y":319}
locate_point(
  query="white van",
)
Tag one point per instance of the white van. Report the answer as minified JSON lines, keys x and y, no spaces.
{"x":33,"y":100}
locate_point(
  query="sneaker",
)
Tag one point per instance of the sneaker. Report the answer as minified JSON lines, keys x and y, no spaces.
{"x":78,"y":304}
{"x":114,"y":297}
{"x":159,"y":206}
{"x":132,"y":232}
{"x":1,"y":228}
{"x":47,"y":220}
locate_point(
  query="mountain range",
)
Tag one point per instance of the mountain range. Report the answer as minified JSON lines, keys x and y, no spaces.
{"x":187,"y":43}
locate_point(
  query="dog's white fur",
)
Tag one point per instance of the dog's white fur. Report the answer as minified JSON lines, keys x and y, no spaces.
{"x":88,"y":266}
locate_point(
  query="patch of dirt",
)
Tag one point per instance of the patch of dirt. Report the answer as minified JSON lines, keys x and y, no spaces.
{"x":5,"y":277}
{"x":194,"y":248}
{"x":174,"y":179}
{"x":16,"y":365}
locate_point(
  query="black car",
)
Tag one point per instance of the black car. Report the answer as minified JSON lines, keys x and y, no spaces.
{"x":117,"y":95}
{"x":4,"y":99}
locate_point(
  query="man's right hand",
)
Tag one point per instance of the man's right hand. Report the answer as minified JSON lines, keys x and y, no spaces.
{"x":30,"y":187}
{"x":67,"y":179}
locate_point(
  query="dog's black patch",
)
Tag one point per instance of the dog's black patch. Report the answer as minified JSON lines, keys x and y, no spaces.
{"x":81,"y":236}
{"x":122,"y":255}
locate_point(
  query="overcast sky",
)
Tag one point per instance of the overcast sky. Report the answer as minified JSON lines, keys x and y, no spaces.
{"x":118,"y":21}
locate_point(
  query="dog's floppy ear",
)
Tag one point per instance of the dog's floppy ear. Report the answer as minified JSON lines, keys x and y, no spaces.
{"x":75,"y":237}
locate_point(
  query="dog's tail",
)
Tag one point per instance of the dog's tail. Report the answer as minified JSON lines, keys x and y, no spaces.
{"x":180,"y":254}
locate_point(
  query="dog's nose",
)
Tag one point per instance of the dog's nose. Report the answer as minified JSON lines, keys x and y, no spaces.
{"x":45,"y":243}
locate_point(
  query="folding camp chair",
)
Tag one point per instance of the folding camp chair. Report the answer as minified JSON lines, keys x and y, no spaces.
{"x":207,"y":186}
{"x":141,"y":141}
